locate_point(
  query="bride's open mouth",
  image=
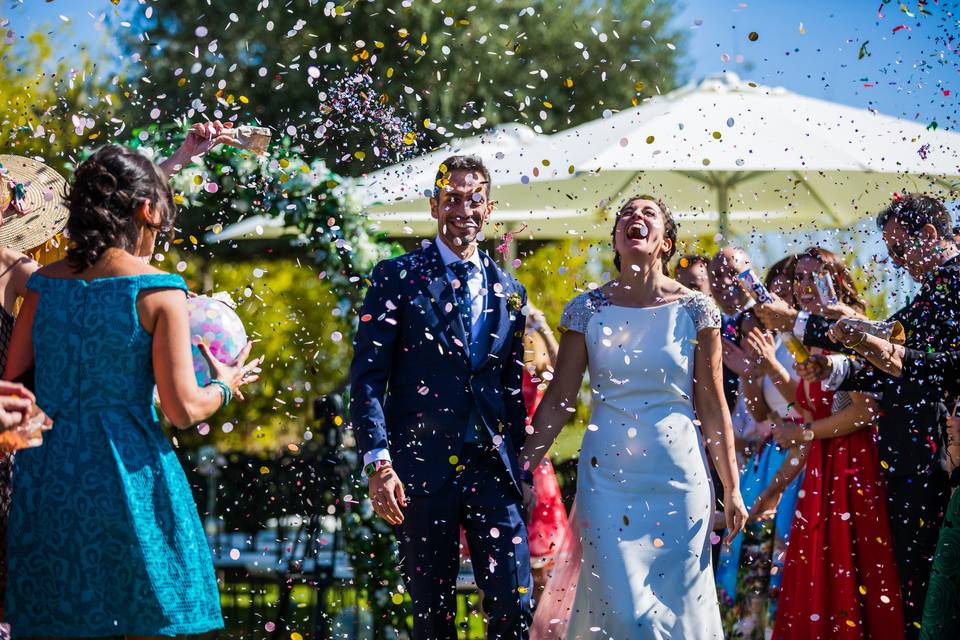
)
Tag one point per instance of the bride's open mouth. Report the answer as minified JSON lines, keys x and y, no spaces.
{"x":637,"y":231}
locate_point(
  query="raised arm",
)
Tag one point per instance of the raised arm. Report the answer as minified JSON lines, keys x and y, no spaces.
{"x":860,"y":413}
{"x":560,"y":399}
{"x":715,"y":424}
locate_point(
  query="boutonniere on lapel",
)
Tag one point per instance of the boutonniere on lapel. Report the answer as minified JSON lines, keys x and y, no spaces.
{"x":514,"y":302}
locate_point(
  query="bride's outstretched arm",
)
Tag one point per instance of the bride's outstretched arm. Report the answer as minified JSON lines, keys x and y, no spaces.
{"x":559,"y":401}
{"x":715,"y":424}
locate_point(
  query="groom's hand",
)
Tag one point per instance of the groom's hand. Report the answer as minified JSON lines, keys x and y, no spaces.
{"x":386,"y":493}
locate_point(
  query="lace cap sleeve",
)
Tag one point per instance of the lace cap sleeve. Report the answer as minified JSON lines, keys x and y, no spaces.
{"x":576,"y":315}
{"x":703,"y":311}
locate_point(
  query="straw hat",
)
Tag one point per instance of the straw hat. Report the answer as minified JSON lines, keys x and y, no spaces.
{"x":32,"y":210}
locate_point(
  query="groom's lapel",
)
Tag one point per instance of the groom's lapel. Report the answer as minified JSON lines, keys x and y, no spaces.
{"x":441,"y":293}
{"x":498,"y":294}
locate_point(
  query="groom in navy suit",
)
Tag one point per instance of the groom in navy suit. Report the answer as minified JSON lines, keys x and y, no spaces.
{"x":438,"y":412}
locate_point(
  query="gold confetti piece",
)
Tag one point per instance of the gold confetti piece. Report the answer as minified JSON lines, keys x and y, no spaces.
{"x":522,"y":589}
{"x":657,"y":542}
{"x":568,"y":83}
{"x":423,"y":39}
{"x":396,"y":598}
{"x":178,"y":199}
{"x":264,"y":470}
{"x":244,"y":99}
{"x":296,"y":636}
{"x":193,"y":240}
{"x":453,"y":459}
{"x":753,"y":36}
{"x":863,"y":590}
{"x":716,"y":135}
{"x":851,"y":623}
{"x":403,"y":33}
{"x":650,"y":139}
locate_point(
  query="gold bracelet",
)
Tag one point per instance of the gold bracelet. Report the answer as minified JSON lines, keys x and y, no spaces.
{"x":863,"y":338}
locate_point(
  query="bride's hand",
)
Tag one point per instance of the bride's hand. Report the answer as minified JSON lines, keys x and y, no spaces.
{"x":735,"y":513}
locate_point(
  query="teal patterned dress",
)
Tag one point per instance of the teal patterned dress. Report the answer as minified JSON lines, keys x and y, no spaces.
{"x":104,"y":538}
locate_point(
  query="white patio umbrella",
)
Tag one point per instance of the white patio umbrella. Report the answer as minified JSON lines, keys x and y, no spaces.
{"x":406,"y":186}
{"x":724,"y":154}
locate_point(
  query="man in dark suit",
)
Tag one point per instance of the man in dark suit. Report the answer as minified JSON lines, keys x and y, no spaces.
{"x":437,"y":409}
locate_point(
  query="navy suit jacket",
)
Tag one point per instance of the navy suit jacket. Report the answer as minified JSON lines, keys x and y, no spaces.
{"x":412,"y":385}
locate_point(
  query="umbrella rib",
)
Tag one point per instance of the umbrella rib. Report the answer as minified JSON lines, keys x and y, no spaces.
{"x":817,"y":198}
{"x":620,"y":190}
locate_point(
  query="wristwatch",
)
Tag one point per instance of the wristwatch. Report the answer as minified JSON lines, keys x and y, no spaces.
{"x":376,"y":466}
{"x":808,"y":434}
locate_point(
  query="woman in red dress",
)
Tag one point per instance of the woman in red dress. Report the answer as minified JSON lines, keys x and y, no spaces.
{"x":840,"y":577}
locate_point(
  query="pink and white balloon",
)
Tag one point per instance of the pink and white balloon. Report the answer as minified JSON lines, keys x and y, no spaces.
{"x":216,"y":324}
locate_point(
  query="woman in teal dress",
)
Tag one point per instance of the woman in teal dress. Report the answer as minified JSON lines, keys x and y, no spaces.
{"x":104,"y":538}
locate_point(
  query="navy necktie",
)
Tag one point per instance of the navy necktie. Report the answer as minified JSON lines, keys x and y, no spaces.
{"x":463,"y":271}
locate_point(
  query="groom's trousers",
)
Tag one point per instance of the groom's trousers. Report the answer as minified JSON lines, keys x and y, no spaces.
{"x":484,"y":501}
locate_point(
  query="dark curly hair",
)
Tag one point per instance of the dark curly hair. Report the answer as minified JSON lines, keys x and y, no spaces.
{"x":107,"y":189}
{"x":670,"y":228}
{"x":916,"y":210}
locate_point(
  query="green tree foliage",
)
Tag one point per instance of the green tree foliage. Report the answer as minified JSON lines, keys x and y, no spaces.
{"x":300,"y":326}
{"x":453,"y":66}
{"x":50,"y":109}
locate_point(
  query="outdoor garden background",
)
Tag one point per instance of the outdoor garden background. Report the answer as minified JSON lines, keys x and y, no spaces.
{"x":449,"y":69}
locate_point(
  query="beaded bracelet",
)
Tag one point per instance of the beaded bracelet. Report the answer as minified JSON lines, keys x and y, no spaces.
{"x":225,"y":392}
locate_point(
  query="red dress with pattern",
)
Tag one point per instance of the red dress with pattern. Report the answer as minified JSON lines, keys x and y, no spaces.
{"x":840,"y":577}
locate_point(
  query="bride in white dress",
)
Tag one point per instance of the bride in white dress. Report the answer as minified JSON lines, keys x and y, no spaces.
{"x":637,"y":560}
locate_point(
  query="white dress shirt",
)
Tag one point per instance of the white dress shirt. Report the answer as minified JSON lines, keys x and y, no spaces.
{"x":476,"y":284}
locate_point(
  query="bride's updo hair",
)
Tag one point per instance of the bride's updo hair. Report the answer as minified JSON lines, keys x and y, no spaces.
{"x":669,"y":230}
{"x":106,"y":192}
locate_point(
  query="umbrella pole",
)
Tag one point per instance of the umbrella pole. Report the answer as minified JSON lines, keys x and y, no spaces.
{"x":723,"y":211}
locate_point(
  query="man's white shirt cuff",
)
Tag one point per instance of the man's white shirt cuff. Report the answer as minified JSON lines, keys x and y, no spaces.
{"x":840,"y":368}
{"x":800,"y":325}
{"x":376,"y":454}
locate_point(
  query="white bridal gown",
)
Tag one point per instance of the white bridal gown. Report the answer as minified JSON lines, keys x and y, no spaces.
{"x":644,"y":497}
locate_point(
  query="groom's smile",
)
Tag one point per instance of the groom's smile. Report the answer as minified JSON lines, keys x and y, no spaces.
{"x":461,"y":207}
